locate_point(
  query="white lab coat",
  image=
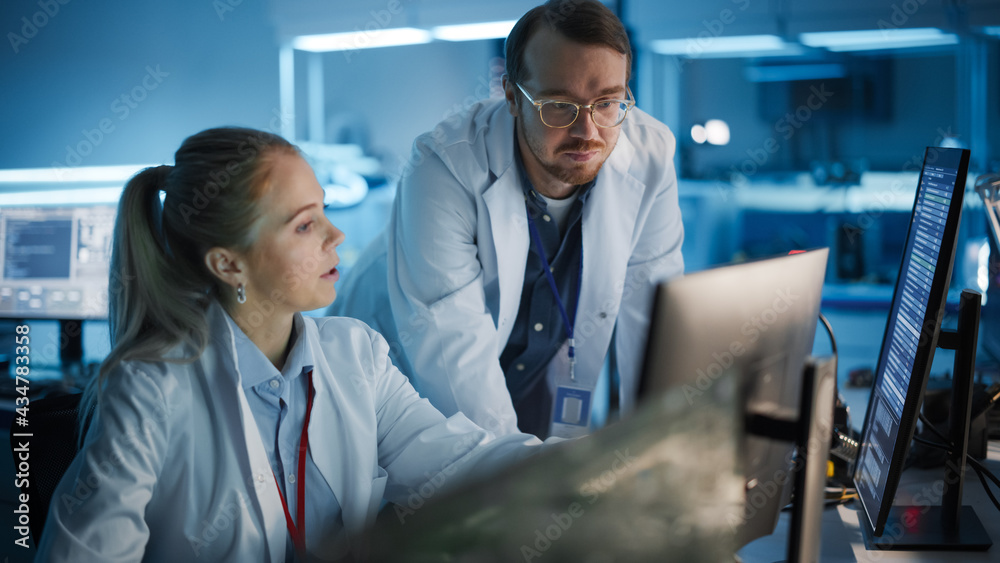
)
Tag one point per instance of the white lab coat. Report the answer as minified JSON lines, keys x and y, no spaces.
{"x":451,"y":261}
{"x":173,"y":468}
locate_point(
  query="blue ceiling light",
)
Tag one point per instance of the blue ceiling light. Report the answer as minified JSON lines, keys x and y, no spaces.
{"x":725,"y":47}
{"x":352,"y":40}
{"x":74,"y":196}
{"x":70,"y":174}
{"x":878,"y":39}
{"x":473,"y":31}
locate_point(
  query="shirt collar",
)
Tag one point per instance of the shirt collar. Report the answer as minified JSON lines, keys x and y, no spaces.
{"x":583,"y":191}
{"x":255,"y":368}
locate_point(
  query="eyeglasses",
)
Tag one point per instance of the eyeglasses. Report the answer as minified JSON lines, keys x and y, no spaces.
{"x":560,"y":114}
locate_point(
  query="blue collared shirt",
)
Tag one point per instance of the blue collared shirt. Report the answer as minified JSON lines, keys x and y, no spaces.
{"x":278,"y":403}
{"x":529,"y":350}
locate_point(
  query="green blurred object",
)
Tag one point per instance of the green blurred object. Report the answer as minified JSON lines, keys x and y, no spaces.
{"x":661,"y":485}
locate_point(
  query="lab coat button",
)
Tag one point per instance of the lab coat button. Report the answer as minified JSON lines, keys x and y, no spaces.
{"x":603,"y":315}
{"x":260,"y":477}
{"x":538,"y":327}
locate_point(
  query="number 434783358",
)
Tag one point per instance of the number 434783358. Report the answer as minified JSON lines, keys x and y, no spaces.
{"x":22,"y":369}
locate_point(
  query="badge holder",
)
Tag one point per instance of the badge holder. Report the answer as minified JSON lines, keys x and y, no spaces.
{"x":572,"y":398}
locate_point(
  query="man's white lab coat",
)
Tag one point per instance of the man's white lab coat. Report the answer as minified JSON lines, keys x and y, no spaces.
{"x":451,"y":262}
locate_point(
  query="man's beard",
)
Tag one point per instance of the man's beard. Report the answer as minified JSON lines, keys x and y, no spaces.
{"x":573,"y":175}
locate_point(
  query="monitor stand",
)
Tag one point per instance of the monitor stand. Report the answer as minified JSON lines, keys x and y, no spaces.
{"x":950,"y":526}
{"x":811,"y":433}
{"x":819,"y":394}
{"x":71,"y":350}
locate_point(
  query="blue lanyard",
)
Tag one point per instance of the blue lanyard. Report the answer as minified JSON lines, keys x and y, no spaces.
{"x":555,"y":290}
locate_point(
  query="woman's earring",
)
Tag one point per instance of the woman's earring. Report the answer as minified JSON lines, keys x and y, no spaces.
{"x":241,"y":294}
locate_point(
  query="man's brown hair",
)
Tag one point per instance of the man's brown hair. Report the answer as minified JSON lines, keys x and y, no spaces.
{"x":584,"y":21}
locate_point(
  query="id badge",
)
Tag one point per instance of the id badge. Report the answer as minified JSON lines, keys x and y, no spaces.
{"x":571,"y":399}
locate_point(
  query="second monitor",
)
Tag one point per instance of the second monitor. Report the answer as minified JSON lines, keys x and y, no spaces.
{"x":911,"y":336}
{"x":756,"y":321}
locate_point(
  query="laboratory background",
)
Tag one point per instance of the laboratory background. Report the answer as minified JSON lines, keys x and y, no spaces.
{"x":799,"y":124}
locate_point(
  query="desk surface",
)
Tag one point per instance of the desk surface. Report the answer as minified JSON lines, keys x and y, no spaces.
{"x":842,"y":540}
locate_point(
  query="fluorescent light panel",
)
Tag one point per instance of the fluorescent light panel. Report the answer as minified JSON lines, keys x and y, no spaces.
{"x":473,"y":31}
{"x":878,"y":39}
{"x":353,"y":40}
{"x":70,"y":174}
{"x":715,"y":46}
{"x":62,"y":197}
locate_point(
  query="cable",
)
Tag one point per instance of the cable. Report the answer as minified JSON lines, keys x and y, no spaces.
{"x":981,"y":470}
{"x":828,"y":503}
{"x":931,"y":427}
{"x":977,"y":464}
{"x":840,"y":494}
{"x":829,"y":330}
{"x":932,"y":444}
{"x":971,"y":460}
{"x":983,"y":473}
{"x":986,"y":486}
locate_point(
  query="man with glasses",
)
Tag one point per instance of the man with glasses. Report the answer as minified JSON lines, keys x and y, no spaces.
{"x":528,"y":234}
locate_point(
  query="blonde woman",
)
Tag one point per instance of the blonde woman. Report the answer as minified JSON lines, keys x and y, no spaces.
{"x":227,"y":426}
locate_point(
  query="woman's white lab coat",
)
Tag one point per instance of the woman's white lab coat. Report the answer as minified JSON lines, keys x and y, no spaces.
{"x":452,"y":260}
{"x":173,"y":468}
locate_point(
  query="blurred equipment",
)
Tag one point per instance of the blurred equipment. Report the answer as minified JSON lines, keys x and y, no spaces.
{"x":860,"y":377}
{"x":342,"y":171}
{"x":637,"y":490}
{"x":850,"y":253}
{"x":834,"y":173}
{"x":55,"y":261}
{"x":937,"y":410}
{"x":843,"y":445}
{"x":988,"y":188}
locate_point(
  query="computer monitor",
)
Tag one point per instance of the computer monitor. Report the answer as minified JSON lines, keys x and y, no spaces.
{"x":55,"y":261}
{"x":757,"y":319}
{"x":910,"y":339}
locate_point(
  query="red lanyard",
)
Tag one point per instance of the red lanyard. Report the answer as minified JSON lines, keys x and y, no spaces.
{"x":299,"y":532}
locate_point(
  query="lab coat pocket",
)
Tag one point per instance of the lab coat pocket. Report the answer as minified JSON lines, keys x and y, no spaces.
{"x":378,"y":491}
